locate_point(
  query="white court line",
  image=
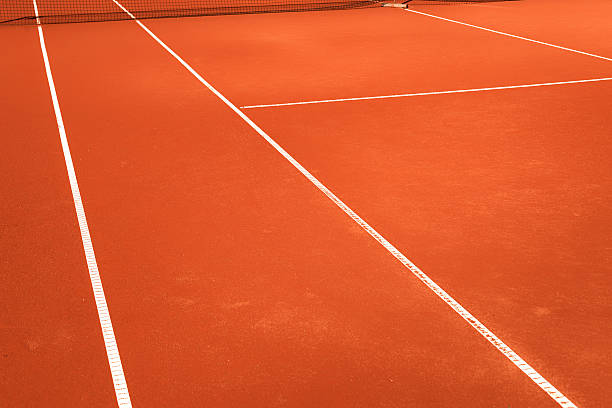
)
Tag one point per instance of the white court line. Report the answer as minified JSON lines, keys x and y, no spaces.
{"x":510,"y":35}
{"x":541,"y":382}
{"x":108,"y":334}
{"x":363,"y":98}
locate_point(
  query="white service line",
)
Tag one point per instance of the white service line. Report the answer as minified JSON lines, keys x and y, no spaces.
{"x":540,"y":381}
{"x":363,"y":98}
{"x":510,"y":35}
{"x":108,"y":334}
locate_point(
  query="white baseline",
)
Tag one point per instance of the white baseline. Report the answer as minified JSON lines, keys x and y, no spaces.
{"x":405,"y":95}
{"x":540,"y":381}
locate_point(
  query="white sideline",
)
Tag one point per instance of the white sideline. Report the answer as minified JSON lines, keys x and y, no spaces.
{"x":540,"y":381}
{"x":510,"y":35}
{"x":108,"y":334}
{"x":363,"y":98}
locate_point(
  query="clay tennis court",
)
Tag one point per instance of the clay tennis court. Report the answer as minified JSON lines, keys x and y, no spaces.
{"x":360,"y":207}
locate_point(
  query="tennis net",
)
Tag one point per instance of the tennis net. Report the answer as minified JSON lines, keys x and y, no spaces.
{"x":71,"y":11}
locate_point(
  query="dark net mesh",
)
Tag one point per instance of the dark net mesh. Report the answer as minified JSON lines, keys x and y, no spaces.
{"x":71,"y":11}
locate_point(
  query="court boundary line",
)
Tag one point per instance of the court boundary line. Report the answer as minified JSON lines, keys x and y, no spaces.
{"x":405,"y":95}
{"x":510,"y":35}
{"x":110,"y":342}
{"x":540,"y":381}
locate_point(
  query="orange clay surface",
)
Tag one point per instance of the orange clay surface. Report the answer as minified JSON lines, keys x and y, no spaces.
{"x":233,"y":282}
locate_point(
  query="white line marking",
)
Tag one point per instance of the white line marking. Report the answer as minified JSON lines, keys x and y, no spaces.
{"x":112,"y":351}
{"x":363,"y":98}
{"x":510,"y":35}
{"x":467,"y":316}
